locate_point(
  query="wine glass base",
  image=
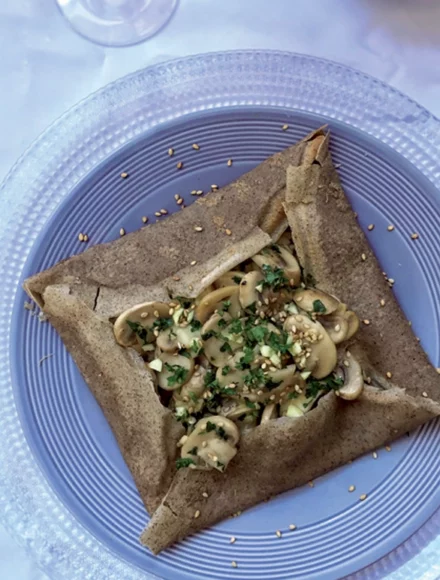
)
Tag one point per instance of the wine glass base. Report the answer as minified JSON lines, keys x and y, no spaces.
{"x":123,"y":26}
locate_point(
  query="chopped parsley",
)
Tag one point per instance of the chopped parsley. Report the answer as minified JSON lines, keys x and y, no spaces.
{"x":184,"y":302}
{"x":225,"y":306}
{"x":196,"y":346}
{"x":184,"y":462}
{"x":276,"y":249}
{"x":222,"y":433}
{"x":210,"y":427}
{"x":195,"y":325}
{"x":246,"y":359}
{"x":222,"y":323}
{"x":236,"y":279}
{"x":193,"y":451}
{"x":319,"y":307}
{"x":236,"y":326}
{"x":225,"y":370}
{"x":250,"y":404}
{"x":163,"y":323}
{"x":178,"y":375}
{"x":278,"y":341}
{"x":255,"y":378}
{"x":220,"y":465}
{"x":327,"y":384}
{"x":138,"y":329}
{"x":257,"y":333}
{"x":194,"y":398}
{"x":274,"y":277}
{"x":226,"y":347}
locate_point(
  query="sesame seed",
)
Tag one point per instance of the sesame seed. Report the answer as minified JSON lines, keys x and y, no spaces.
{"x":144,"y":219}
{"x":414,"y":236}
{"x":199,"y":192}
{"x":382,"y":302}
{"x":232,"y":540}
{"x":198,"y":228}
{"x":337,"y":328}
{"x":194,"y":262}
{"x":311,"y":484}
{"x":157,"y":213}
{"x":204,"y":494}
{"x":366,"y":322}
{"x":164,"y":211}
{"x":234,"y":564}
{"x":351,"y":488}
{"x":179,"y":165}
{"x":229,"y":162}
{"x":81,"y":237}
{"x":371,"y":227}
{"x":156,"y":313}
{"x":374,"y":455}
{"x":346,"y":363}
{"x":228,"y":232}
{"x":195,"y":146}
{"x":292,"y":527}
{"x":391,"y":281}
{"x":214,"y":187}
{"x":204,"y":444}
{"x":425,"y":394}
{"x":278,"y":534}
{"x":438,"y":370}
{"x":390,"y":228}
{"x":388,"y":448}
{"x":176,"y":278}
{"x":124,"y":175}
{"x":179,"y":201}
{"x":364,"y":257}
{"x":285,"y":127}
{"x":170,"y":151}
{"x":86,"y":238}
{"x":389,"y":374}
{"x":194,"y":192}
{"x":197,"y":514}
{"x":176,"y":196}
{"x":122,"y":232}
{"x":363,"y":497}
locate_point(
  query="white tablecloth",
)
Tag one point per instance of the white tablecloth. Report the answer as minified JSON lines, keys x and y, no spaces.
{"x":46,"y":68}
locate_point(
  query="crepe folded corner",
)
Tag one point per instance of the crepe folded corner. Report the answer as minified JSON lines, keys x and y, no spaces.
{"x":297,"y":187}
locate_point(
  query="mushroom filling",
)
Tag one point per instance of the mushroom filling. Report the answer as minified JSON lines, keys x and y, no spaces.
{"x":256,"y":346}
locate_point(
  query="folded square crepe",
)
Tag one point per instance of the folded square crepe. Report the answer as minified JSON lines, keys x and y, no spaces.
{"x":84,"y":294}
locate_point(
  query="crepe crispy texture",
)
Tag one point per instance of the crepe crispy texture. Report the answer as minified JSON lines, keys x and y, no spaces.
{"x":83,"y":294}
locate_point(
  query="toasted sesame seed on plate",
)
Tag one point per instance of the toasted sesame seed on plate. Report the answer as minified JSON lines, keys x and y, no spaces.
{"x":144,"y":219}
{"x":122,"y":232}
{"x":414,"y":236}
{"x":285,"y":127}
{"x":164,"y":211}
{"x":199,"y":192}
{"x":229,"y":162}
{"x":278,"y":534}
{"x":179,"y":165}
{"x":197,"y":514}
{"x":363,"y":497}
{"x":214,"y":187}
{"x":371,"y":227}
{"x":170,"y":151}
{"x":81,"y":237}
{"x":124,"y":175}
{"x":292,"y":527}
{"x":387,"y":448}
{"x":351,"y":488}
{"x":375,"y":455}
{"x":195,"y":146}
{"x":180,"y":201}
{"x":390,"y":228}
{"x":234,"y":564}
{"x":232,"y":540}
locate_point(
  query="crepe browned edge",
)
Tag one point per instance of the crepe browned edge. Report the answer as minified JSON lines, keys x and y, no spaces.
{"x":283,"y":454}
{"x":82,"y":295}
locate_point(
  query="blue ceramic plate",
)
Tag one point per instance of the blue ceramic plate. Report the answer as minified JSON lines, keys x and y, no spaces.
{"x":66,"y":488}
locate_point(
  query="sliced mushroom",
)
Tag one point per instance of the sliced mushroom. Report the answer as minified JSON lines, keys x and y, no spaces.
{"x":292,"y":382}
{"x":234,"y":409}
{"x":310,"y":334}
{"x":248,"y":293}
{"x":280,"y":257}
{"x":164,"y":376}
{"x":248,"y":423}
{"x":213,"y":301}
{"x":312,"y":300}
{"x":270,"y":412}
{"x":145,"y":315}
{"x":214,"y":346}
{"x":299,"y":405}
{"x":212,"y":443}
{"x":351,"y":372}
{"x":204,"y":293}
{"x":167,"y":341}
{"x":229,"y":279}
{"x":190,"y":395}
{"x":341,"y":325}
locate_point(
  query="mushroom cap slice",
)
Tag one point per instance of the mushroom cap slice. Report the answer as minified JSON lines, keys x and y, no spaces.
{"x":167,"y":341}
{"x":177,"y":361}
{"x":213,"y":346}
{"x":280,"y":257}
{"x":270,"y":412}
{"x":234,"y":409}
{"x":212,"y":301}
{"x":191,"y":393}
{"x":307,"y":298}
{"x":212,"y":441}
{"x":311,"y":334}
{"x":248,"y":293}
{"x":336,"y":327}
{"x":142,"y":314}
{"x":351,"y":373}
{"x":353,"y":324}
{"x":227,"y":279}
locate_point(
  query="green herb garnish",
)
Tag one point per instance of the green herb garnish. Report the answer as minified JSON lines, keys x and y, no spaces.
{"x":319,"y":307}
{"x":138,"y":329}
{"x":163,"y":323}
{"x":222,"y":323}
{"x":246,"y":359}
{"x":193,"y":451}
{"x":194,"y":398}
{"x":225,"y":370}
{"x":195,"y":325}
{"x":236,"y":279}
{"x":226,"y":347}
{"x":178,"y":375}
{"x":184,"y":462}
{"x":274,"y":277}
{"x":184,"y":302}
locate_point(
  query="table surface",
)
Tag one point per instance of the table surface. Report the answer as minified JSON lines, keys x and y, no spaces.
{"x":47,"y":68}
